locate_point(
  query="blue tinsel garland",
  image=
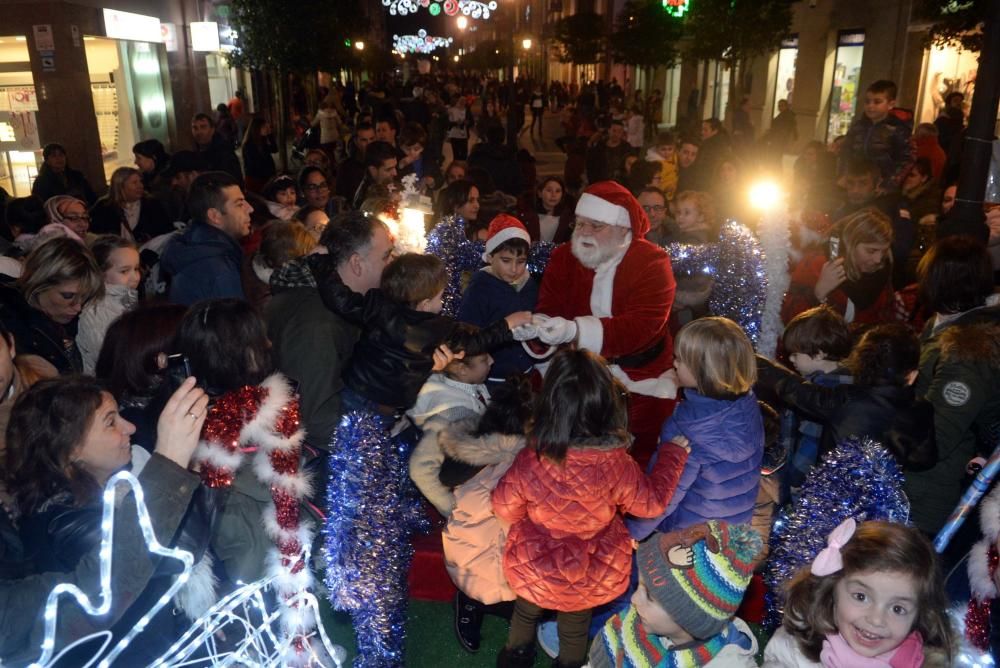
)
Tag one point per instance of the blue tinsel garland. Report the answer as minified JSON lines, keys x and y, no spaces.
{"x":373,"y":510}
{"x":736,"y":262}
{"x":859,"y":479}
{"x":447,"y":241}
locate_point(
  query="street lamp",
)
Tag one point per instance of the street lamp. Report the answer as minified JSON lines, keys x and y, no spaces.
{"x":526,"y":43}
{"x":359,"y":45}
{"x":462,"y":23}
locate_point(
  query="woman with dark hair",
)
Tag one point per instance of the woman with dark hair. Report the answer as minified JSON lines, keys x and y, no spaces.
{"x":854,"y":277}
{"x":151,"y":158}
{"x":551,"y":215}
{"x":258,"y":147}
{"x":254,"y":410}
{"x":959,"y":371}
{"x":127,"y":211}
{"x":65,"y":441}
{"x":42,"y":309}
{"x":459,"y":200}
{"x":56,"y":177}
{"x":133,"y":364}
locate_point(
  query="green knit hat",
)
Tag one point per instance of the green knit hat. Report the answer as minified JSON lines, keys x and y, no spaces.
{"x":704,"y":595}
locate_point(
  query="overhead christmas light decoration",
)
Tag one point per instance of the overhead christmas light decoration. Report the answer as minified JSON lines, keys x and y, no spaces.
{"x":472,"y":8}
{"x":419,"y":43}
{"x":676,"y":8}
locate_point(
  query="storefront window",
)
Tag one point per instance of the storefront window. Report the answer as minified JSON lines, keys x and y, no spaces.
{"x":949,"y":70}
{"x":18,"y":128}
{"x":784,"y":82}
{"x":846,"y":74}
{"x":127,"y":88}
{"x":718,"y":90}
{"x":671,"y":93}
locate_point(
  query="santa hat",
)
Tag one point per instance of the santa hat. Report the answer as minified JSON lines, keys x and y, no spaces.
{"x":504,"y":228}
{"x":610,"y":202}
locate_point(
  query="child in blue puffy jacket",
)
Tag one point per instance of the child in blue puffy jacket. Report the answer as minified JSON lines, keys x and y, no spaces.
{"x":719,"y":415}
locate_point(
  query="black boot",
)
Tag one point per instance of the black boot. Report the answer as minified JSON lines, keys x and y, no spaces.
{"x":556,"y":663}
{"x":468,"y":621}
{"x":517,"y":657}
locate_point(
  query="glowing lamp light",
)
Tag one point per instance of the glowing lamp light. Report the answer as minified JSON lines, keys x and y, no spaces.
{"x":462,"y":23}
{"x":359,"y":45}
{"x":526,"y":43}
{"x":455,"y":58}
{"x":765,"y":195}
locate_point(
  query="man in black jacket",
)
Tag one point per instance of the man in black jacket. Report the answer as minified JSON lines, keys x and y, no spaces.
{"x":219,"y":156}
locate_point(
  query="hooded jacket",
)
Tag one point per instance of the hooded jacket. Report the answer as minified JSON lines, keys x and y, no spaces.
{"x":202,"y":263}
{"x":959,"y":376}
{"x":722,"y":475}
{"x":568,"y":548}
{"x":474,"y":537}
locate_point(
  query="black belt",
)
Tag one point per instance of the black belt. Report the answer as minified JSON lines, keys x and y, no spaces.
{"x":640,"y":358}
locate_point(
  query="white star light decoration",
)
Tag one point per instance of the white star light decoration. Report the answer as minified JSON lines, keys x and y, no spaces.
{"x":264,"y":644}
{"x":471,"y":8}
{"x":419,"y":43}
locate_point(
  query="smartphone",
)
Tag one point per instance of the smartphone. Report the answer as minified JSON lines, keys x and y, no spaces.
{"x":834,"y":250}
{"x":178,"y":369}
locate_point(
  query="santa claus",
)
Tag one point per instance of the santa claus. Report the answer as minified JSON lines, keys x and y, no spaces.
{"x":610,"y":291}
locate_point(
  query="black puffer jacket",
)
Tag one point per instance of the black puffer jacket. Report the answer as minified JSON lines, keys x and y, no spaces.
{"x":37,"y":334}
{"x":889,"y":414}
{"x":394,"y":357}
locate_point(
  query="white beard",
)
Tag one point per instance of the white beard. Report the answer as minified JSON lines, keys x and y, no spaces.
{"x":592,"y":253}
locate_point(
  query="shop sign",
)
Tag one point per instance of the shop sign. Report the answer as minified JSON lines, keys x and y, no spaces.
{"x":22,"y":99}
{"x":44,"y":41}
{"x":168,"y":32}
{"x":204,"y":36}
{"x":137,"y":27}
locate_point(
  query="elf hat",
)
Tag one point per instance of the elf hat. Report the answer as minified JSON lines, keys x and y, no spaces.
{"x":701,"y":585}
{"x":504,"y":228}
{"x":611,"y":203}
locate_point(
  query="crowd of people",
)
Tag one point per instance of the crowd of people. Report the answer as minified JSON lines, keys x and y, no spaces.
{"x":595,"y":440}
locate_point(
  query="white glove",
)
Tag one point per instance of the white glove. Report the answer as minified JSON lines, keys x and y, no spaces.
{"x":525,"y":332}
{"x":557,"y":330}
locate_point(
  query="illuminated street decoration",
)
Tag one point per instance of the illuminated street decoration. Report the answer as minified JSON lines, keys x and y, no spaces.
{"x":273,"y":633}
{"x":676,"y":8}
{"x":419,"y":43}
{"x":472,"y":8}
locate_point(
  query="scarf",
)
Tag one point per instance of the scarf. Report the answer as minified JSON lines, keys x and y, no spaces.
{"x":836,"y":653}
{"x":629,"y":645}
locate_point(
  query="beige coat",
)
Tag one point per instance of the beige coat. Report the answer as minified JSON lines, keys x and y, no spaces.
{"x":474,"y":537}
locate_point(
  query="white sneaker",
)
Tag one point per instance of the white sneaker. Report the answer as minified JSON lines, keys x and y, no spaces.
{"x":548,"y":638}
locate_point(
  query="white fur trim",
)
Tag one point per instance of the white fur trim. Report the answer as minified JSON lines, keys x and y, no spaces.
{"x":603,"y":287}
{"x":980,"y":579}
{"x":296,"y":484}
{"x":506,"y":234}
{"x":601,"y":210}
{"x":989,"y":515}
{"x":216,"y":455}
{"x":661,"y":387}
{"x":590,"y":333}
{"x":199,"y":593}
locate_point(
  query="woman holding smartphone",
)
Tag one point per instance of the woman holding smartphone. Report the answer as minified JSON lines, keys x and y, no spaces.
{"x":854,"y":277}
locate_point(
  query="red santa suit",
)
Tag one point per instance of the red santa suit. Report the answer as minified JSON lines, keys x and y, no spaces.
{"x":621,"y":309}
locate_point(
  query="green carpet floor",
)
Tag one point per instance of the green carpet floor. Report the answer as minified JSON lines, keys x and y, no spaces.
{"x":431,"y":641}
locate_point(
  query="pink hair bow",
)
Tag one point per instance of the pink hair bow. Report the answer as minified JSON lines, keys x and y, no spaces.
{"x":829,"y":559}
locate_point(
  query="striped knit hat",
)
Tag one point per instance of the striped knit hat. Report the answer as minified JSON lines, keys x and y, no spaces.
{"x":701,"y":584}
